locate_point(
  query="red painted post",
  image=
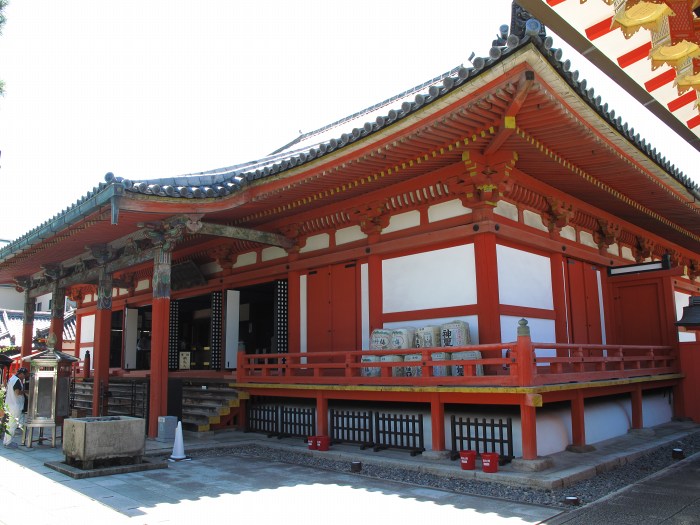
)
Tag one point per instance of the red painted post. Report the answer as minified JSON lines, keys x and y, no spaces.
{"x":528,"y":428}
{"x":578,"y":422}
{"x":437,"y":422}
{"x":321,"y":415}
{"x":637,"y":415}
{"x":524,"y":355}
{"x":100,"y":356}
{"x":86,"y":365}
{"x":158,"y":402}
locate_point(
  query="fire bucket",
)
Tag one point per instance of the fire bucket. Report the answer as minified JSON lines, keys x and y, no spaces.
{"x":467,"y":459}
{"x":323,"y":442}
{"x":311,"y":440}
{"x":489,"y":462}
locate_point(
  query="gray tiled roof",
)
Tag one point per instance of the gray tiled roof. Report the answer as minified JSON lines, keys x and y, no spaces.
{"x":337,"y":135}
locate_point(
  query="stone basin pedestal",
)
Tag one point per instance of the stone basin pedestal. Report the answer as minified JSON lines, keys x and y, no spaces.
{"x":91,"y":442}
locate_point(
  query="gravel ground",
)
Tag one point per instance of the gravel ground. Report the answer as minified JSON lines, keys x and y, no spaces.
{"x":587,"y":491}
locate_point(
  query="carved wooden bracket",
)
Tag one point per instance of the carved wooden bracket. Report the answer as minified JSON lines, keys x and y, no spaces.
{"x":607,"y":235}
{"x":297,"y":239}
{"x":372,"y":217}
{"x":487,"y":178}
{"x":693,"y":269}
{"x":559,"y":215}
{"x":643,"y":250}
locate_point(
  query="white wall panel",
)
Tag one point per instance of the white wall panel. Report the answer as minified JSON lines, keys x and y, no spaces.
{"x":524,"y":278}
{"x":681,"y":300}
{"x":435,"y":279}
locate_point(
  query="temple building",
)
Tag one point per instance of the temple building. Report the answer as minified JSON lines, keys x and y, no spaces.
{"x":494,"y":247}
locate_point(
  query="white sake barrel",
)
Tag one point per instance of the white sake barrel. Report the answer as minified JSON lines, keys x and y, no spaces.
{"x":397,"y":371}
{"x":402,"y":338}
{"x":458,"y":370}
{"x":373,"y":371}
{"x":380,"y":339}
{"x":428,"y":337}
{"x":441,"y":371}
{"x":412,"y":371}
{"x":455,"y":333}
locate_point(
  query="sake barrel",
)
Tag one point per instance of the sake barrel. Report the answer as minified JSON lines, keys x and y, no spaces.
{"x":372,"y":371}
{"x":402,"y":338}
{"x":396,"y":371}
{"x":458,"y":370}
{"x":455,"y":333}
{"x":441,"y":371}
{"x":380,"y":339}
{"x":428,"y":337}
{"x":412,"y":371}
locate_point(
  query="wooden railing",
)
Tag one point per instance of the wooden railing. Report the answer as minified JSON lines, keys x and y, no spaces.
{"x":520,"y":363}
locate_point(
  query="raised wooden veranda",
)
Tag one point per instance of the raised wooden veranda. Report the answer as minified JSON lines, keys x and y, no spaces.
{"x":522,"y":373}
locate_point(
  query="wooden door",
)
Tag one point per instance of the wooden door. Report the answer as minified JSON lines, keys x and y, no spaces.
{"x":641,"y":311}
{"x":332,"y":308}
{"x":583,"y":299}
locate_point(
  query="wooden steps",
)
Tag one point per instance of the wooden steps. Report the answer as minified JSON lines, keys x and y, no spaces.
{"x":209,"y":405}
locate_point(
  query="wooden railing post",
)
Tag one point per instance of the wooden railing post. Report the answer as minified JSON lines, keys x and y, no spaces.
{"x":524,"y":354}
{"x":241,"y":369}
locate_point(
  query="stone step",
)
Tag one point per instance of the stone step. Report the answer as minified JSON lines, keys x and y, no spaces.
{"x":210,"y":408}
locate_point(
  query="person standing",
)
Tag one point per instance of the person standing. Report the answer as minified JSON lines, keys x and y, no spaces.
{"x":16,"y":402}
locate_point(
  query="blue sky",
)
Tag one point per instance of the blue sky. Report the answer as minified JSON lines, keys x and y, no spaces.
{"x":163,"y":88}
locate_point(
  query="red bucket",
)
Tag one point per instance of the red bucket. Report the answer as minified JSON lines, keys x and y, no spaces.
{"x":323,"y":442}
{"x":467,"y":459}
{"x":312,"y":443}
{"x":489,"y":462}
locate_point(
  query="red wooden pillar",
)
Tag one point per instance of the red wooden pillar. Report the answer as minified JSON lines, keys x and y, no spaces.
{"x":437,"y":421}
{"x":637,"y":417}
{"x":100,"y":355}
{"x":578,"y":422}
{"x":487,"y":288}
{"x":374,"y":278}
{"x":160,"y":322}
{"x":294,"y":313}
{"x":164,"y":241}
{"x":528,"y":429}
{"x":321,"y":415}
{"x":559,"y":297}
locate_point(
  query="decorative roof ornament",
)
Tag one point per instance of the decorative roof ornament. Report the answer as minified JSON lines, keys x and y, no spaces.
{"x":632,"y":15}
{"x":523,"y":24}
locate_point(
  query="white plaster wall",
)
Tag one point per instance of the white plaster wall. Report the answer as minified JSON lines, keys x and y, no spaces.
{"x":614,"y":249}
{"x":87,"y":336}
{"x":568,"y":232}
{"x":10,"y":298}
{"x":586,"y":238}
{"x":246,"y":259}
{"x":316,"y":242}
{"x":534,"y":220}
{"x":434,"y":279}
{"x":524,"y":278}
{"x":273,"y":252}
{"x":447,"y":210}
{"x":507,"y":210}
{"x":627,"y":253}
{"x":210,"y":268}
{"x":351,"y":234}
{"x":681,"y":300}
{"x":403,"y":221}
{"x":143,"y":284}
{"x":541,"y":330}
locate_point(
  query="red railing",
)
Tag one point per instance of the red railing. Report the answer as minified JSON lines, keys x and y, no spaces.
{"x":521,"y":363}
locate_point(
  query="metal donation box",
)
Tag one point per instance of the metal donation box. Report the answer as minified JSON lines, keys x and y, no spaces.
{"x":49,"y":391}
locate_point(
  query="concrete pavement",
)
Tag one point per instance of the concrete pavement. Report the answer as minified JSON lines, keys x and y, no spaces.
{"x":253,"y":488}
